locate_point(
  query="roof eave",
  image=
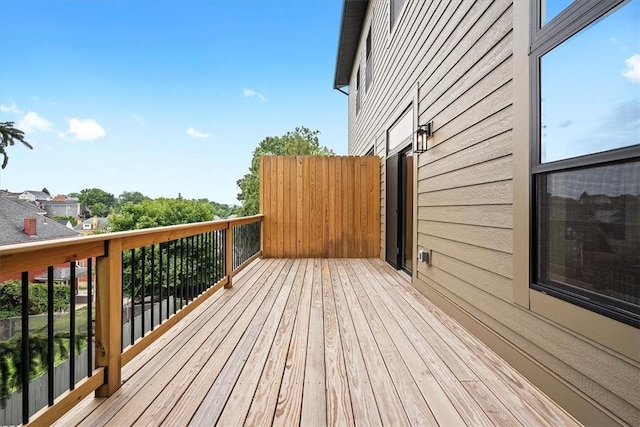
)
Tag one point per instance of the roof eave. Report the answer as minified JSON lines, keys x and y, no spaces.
{"x":353,"y":14}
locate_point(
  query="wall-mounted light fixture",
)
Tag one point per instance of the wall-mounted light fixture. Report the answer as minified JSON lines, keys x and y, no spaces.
{"x":423,"y":133}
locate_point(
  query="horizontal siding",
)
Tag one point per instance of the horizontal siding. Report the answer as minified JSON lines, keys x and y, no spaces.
{"x":452,"y":60}
{"x":607,"y":378}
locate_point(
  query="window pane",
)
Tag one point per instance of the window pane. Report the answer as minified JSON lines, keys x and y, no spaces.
{"x":590,"y":89}
{"x":395,"y":8}
{"x":589,"y":230}
{"x":552,"y":8}
{"x":401,"y":131}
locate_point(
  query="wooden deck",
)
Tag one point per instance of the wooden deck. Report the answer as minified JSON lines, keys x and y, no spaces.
{"x":319,"y":342}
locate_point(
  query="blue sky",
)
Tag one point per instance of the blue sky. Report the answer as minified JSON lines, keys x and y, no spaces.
{"x":591,"y":88}
{"x":162,"y":97}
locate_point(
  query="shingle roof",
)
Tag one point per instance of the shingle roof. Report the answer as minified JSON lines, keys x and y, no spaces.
{"x":39,"y":195}
{"x":61,"y":274}
{"x":12,"y":215}
{"x":60,"y":203}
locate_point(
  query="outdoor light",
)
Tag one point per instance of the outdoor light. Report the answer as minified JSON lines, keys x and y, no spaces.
{"x":423,"y":133}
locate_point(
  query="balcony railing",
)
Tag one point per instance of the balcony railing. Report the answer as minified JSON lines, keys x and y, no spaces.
{"x":144,"y":282}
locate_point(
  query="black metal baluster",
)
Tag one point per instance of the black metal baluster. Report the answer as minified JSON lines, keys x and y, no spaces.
{"x":122,"y":281}
{"x":168,"y":277}
{"x":153,"y":285}
{"x":142,"y":286}
{"x":132,"y":313}
{"x":89,"y":317}
{"x":72,"y":328}
{"x":50,"y":336}
{"x":182,"y":284}
{"x":209,"y":272}
{"x":160,"y":269}
{"x":198,"y":264}
{"x":25,"y":347}
{"x":175,"y":273}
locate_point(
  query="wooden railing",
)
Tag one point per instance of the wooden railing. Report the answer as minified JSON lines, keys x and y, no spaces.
{"x":175,"y":267}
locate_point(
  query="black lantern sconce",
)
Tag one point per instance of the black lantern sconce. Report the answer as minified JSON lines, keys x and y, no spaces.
{"x":423,"y":133}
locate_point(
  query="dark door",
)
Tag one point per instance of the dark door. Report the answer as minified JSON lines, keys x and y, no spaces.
{"x":399,"y":210}
{"x":391,"y":217}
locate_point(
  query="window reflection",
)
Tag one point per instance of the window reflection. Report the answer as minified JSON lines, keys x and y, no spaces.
{"x":552,"y":8}
{"x":590,"y":89}
{"x":589,"y":227}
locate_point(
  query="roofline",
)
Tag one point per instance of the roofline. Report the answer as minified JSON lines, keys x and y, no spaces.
{"x":351,"y":22}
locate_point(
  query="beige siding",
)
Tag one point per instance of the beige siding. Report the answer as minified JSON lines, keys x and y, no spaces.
{"x":454,"y":61}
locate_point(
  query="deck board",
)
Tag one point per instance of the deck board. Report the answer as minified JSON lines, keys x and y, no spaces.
{"x":319,"y":342}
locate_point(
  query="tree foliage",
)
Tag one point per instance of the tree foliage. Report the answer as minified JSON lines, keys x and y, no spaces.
{"x":160,"y":212}
{"x":98,"y":201}
{"x":300,"y":142}
{"x":134,"y":197}
{"x":8,"y":136}
{"x":11,"y":298}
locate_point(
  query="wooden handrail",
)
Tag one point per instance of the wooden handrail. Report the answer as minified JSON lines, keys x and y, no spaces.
{"x":107,"y":249}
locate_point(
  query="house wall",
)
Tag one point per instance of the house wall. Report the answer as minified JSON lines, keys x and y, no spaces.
{"x":464,"y":65}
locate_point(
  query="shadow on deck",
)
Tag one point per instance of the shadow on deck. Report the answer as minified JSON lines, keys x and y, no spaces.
{"x":319,"y":342}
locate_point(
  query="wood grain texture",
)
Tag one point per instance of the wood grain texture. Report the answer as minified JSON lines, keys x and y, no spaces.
{"x":324,"y":207}
{"x":353,"y":335}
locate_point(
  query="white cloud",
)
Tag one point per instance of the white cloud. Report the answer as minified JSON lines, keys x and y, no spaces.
{"x":195,"y":134}
{"x":250,"y":93}
{"x":32,"y":122}
{"x":13,"y":108}
{"x":633,"y":68}
{"x":85,"y":130}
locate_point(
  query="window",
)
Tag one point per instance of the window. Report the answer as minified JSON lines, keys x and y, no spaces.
{"x":551,"y":8}
{"x":395,"y":7}
{"x":369,"y":63}
{"x":586,"y":155}
{"x":358,"y":91}
{"x":401,"y":131}
{"x":371,"y":151}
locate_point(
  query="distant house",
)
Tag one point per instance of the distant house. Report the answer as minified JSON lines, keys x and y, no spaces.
{"x":91,"y":225}
{"x":61,"y":208}
{"x":486,"y":216}
{"x":34,"y":196}
{"x":21,"y":222}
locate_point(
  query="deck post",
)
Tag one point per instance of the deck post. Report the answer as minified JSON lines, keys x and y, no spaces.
{"x":228,"y":255}
{"x":109,"y":317}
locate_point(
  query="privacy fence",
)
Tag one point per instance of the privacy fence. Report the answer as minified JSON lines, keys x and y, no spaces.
{"x":320,"y":207}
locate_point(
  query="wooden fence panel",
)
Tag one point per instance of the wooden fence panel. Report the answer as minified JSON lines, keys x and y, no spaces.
{"x":327,"y":207}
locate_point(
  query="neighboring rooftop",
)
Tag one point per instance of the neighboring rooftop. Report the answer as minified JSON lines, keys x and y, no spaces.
{"x":12,"y":223}
{"x":95,"y":223}
{"x":34,"y":195}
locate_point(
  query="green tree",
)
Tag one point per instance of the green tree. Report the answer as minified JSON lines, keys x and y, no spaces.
{"x":98,"y":201}
{"x":300,"y":142}
{"x":8,"y":136}
{"x":134,"y":197}
{"x":160,"y":212}
{"x":44,"y":190}
{"x":223,"y":210}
